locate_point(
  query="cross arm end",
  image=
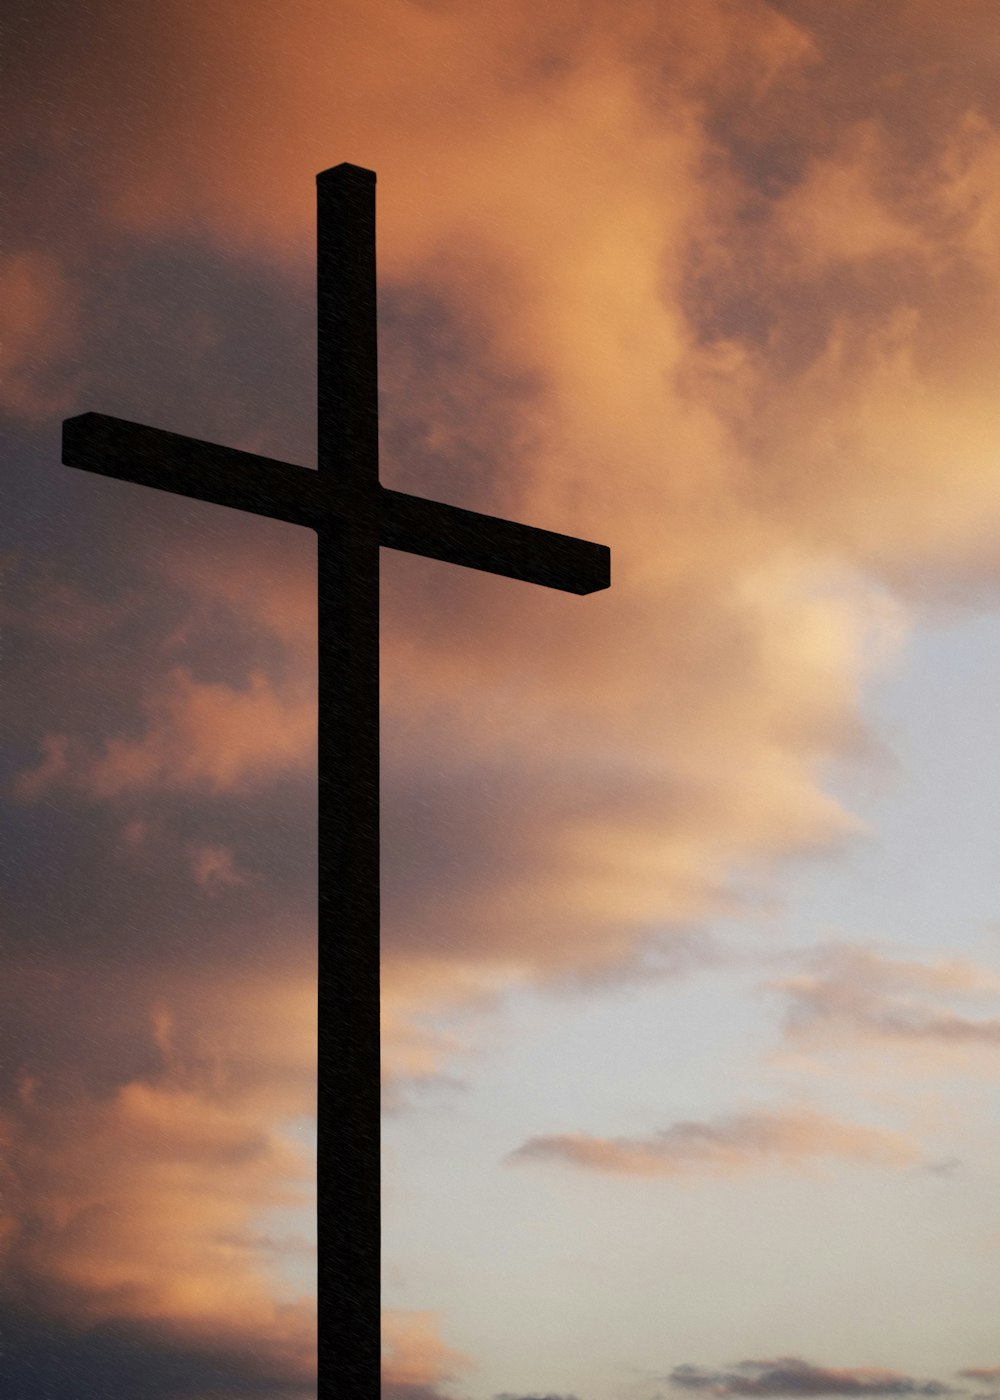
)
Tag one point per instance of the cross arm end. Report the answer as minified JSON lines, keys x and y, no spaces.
{"x":493,"y":545}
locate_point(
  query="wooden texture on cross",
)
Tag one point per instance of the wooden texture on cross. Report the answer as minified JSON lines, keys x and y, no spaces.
{"x":353,"y":516}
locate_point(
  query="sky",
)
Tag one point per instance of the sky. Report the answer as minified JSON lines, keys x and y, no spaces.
{"x":691,"y":937}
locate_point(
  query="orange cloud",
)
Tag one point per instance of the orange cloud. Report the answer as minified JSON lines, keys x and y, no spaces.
{"x":415,"y":1361}
{"x":145,"y":1203}
{"x":201,"y":734}
{"x":786,"y":1138}
{"x":845,"y":209}
{"x":559,"y":187}
{"x":236,"y":112}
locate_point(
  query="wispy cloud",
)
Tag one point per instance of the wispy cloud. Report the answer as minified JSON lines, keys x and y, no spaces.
{"x":784,"y":1138}
{"x":849,"y":997}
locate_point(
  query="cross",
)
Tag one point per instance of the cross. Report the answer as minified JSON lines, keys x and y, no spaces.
{"x":353,"y":515}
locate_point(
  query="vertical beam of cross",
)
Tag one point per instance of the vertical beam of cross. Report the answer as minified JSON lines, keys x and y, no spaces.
{"x":348,"y":581}
{"x":353,"y":516}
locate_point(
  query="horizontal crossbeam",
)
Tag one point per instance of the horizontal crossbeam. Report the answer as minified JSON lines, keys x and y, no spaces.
{"x":457,"y":536}
{"x":188,"y":467}
{"x":225,"y":476}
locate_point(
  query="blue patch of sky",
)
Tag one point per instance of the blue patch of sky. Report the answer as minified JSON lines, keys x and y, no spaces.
{"x":927,"y":878}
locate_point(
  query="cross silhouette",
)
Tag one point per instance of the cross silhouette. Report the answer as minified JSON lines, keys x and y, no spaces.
{"x":353,"y":516}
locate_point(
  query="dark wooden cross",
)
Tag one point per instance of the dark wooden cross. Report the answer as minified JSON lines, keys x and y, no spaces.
{"x":353,"y":516}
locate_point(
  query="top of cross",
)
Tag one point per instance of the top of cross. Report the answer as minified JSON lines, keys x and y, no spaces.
{"x":345,"y":492}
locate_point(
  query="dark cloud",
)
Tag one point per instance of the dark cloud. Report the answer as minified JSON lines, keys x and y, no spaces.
{"x":53,"y":1361}
{"x":457,"y":424}
{"x":507,"y":1395}
{"x":791,"y":1376}
{"x":411,"y":1390}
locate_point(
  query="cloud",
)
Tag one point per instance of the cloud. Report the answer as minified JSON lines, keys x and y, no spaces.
{"x":415,"y":1361}
{"x":842,"y":211}
{"x":405,"y":1390}
{"x":793,"y":1376}
{"x":199,"y":734}
{"x":138,"y":1168}
{"x":58,"y":1361}
{"x":785,"y":1138}
{"x":615,"y":764}
{"x":197,"y":155}
{"x":853,"y":998}
{"x":40,"y":309}
{"x":214,"y":868}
